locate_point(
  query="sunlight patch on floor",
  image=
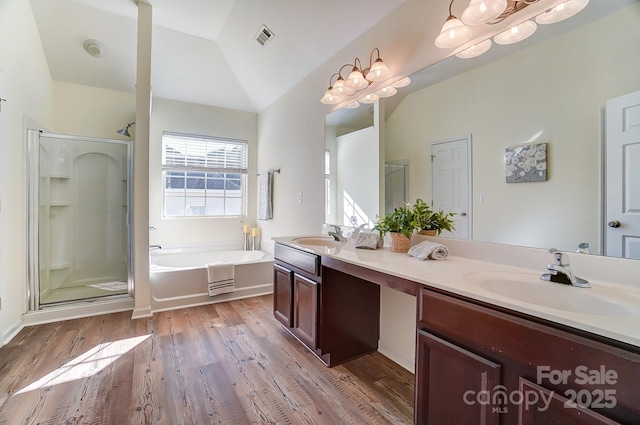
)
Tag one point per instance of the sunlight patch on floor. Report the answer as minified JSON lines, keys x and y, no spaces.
{"x":87,"y":364}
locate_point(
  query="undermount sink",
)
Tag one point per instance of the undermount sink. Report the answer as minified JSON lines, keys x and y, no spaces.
{"x":529,"y":288}
{"x":316,"y":241}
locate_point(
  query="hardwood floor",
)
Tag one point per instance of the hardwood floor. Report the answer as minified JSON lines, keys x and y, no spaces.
{"x":228,"y":363}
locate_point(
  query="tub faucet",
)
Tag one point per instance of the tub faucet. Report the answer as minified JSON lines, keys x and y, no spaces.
{"x":337,"y":233}
{"x":560,"y":272}
{"x":155,"y":247}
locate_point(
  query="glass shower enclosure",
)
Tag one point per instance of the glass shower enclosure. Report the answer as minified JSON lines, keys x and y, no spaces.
{"x":79,"y":198}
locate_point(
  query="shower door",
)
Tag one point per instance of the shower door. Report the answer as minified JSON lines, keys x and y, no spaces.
{"x":396,"y":188}
{"x":79,"y":208}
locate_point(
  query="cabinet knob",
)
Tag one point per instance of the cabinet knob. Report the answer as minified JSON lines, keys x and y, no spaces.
{"x":463,"y":214}
{"x":614,"y":223}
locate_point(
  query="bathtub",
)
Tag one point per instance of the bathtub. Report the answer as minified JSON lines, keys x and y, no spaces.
{"x":178,"y":276}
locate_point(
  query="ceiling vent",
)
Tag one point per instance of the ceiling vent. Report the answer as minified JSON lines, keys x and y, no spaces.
{"x":264,"y":36}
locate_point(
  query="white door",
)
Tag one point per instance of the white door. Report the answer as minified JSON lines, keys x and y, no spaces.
{"x":451,"y":182}
{"x":622,"y":176}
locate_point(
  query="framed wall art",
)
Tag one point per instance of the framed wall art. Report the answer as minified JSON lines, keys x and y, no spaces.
{"x":526,"y":163}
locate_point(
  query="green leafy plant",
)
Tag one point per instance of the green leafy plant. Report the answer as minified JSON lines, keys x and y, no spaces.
{"x":400,"y":220}
{"x":424,"y":218}
{"x":408,"y":218}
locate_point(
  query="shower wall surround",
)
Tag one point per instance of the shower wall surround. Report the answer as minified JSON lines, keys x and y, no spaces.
{"x":80,"y":228}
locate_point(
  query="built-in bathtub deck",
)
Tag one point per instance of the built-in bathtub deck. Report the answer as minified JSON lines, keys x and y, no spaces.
{"x":178,"y":277}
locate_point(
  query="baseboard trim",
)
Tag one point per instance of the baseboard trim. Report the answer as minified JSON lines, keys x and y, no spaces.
{"x":407,"y":362}
{"x":76,"y":311}
{"x":12,"y":332}
{"x":141,"y":313}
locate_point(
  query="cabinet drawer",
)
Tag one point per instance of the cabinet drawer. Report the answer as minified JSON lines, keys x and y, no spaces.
{"x":528,"y":348}
{"x":298,"y":260}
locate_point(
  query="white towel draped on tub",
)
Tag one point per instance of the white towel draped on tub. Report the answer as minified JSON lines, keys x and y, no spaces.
{"x":221,"y":278}
{"x":265,"y":196}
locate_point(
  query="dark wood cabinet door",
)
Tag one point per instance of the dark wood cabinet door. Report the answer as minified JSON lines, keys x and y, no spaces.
{"x":543,"y":407}
{"x":305,"y":310}
{"x":450,"y":383}
{"x":283,"y":295}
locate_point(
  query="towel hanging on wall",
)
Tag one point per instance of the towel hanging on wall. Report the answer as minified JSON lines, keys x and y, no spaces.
{"x":265,"y":195}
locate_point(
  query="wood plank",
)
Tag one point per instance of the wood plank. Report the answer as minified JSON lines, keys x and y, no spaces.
{"x":228,"y":363}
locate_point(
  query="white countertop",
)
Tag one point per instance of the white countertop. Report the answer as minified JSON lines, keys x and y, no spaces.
{"x":618,"y":319}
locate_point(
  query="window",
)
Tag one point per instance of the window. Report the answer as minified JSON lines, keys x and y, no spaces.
{"x":327,"y":182}
{"x":203,"y":176}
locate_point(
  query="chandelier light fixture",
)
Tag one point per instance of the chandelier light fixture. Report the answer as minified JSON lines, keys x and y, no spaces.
{"x":346,"y":92}
{"x":456,"y":32}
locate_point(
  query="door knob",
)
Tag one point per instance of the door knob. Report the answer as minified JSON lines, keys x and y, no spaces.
{"x":614,"y":223}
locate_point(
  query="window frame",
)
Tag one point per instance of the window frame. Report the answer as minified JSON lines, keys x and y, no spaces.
{"x":212,"y":166}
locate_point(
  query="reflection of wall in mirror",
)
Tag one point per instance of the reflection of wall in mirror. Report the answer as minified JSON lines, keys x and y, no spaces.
{"x":551,"y":92}
{"x":355,"y":177}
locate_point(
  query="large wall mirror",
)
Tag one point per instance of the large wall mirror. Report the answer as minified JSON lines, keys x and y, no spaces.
{"x":551,"y":89}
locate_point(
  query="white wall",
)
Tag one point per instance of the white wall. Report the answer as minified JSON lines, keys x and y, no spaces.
{"x":358,"y":174}
{"x":552,"y":92}
{"x":190,"y":118}
{"x":26,"y":84}
{"x":91,"y":111}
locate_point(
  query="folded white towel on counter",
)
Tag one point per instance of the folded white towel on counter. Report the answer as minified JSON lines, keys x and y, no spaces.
{"x":429,"y":250}
{"x":220,"y":277}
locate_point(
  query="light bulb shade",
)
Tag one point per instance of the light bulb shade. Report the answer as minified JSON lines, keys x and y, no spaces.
{"x":402,"y":83}
{"x":453,"y":34}
{"x":330,"y":99}
{"x":351,"y":105}
{"x":387,"y":91}
{"x":356,"y":80}
{"x":516,"y":33}
{"x":475,"y":50}
{"x":378,"y":71}
{"x":369,"y":98}
{"x":562,"y":11}
{"x":483,"y":11}
{"x":340,"y":90}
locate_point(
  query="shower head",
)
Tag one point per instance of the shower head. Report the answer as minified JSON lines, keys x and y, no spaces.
{"x":125,"y":130}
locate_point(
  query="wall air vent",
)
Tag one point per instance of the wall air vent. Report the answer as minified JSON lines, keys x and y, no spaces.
{"x":264,"y":36}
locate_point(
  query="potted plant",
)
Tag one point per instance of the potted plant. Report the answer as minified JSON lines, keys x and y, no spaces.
{"x":430,"y":222}
{"x":399,"y":224}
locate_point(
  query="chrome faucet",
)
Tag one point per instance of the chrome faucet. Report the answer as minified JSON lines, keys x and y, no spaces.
{"x":337,"y":233}
{"x":560,"y":272}
{"x":155,"y":247}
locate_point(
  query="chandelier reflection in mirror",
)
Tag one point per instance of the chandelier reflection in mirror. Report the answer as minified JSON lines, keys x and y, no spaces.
{"x":455,"y":32}
{"x":348,"y":92}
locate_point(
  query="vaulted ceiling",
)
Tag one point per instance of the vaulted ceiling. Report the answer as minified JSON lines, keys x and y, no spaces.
{"x":203,"y":51}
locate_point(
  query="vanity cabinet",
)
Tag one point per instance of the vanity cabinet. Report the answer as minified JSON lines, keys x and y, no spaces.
{"x":296,"y":292}
{"x":335,"y":314}
{"x":480,"y":364}
{"x":305,"y":310}
{"x":283,"y":295}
